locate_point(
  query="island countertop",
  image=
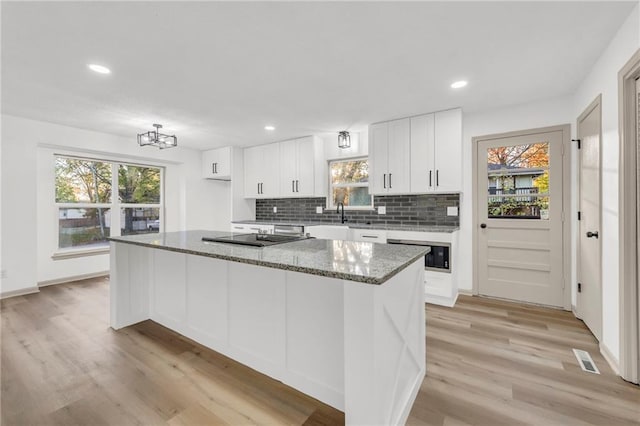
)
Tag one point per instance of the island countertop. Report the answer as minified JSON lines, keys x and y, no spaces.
{"x":363,"y":262}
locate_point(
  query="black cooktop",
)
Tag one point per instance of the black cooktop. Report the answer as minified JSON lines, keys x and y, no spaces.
{"x":256,"y":240}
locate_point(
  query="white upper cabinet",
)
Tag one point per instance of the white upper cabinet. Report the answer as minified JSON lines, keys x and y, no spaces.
{"x":390,"y":157}
{"x":216,"y":164}
{"x":422,"y":151}
{"x":297,"y":167}
{"x":262,"y":171}
{"x":448,"y":151}
{"x":436,"y":152}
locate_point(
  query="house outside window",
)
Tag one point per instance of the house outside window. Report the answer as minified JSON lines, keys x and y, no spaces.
{"x":349,"y":184}
{"x":97,"y":199}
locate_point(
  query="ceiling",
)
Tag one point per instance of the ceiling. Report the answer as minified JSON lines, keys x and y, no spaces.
{"x":216,"y":73}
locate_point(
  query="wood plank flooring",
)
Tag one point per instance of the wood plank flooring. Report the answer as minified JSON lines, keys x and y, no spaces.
{"x":488,"y":363}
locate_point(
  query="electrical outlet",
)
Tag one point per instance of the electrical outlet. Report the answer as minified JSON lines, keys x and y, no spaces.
{"x":382,"y":209}
{"x":319,"y":209}
{"x":452,"y":211}
{"x":275,"y":209}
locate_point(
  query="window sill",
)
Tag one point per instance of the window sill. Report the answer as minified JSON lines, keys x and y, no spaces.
{"x":74,"y":253}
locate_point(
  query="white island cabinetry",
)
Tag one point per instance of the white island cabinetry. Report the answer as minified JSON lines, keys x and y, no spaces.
{"x":356,"y":346}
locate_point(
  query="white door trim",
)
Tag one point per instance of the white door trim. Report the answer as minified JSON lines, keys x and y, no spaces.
{"x":629,"y":304}
{"x":566,"y":203}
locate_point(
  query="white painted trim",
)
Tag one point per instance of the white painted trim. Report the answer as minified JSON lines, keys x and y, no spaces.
{"x":629,"y":303}
{"x":19,"y":292}
{"x":611,"y":360}
{"x":465,"y":292}
{"x":72,"y":254}
{"x":74,"y":277}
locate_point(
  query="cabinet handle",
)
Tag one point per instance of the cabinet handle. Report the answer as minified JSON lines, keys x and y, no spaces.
{"x":258,"y":187}
{"x":390,"y":181}
{"x":430,"y":173}
{"x":384,"y":180}
{"x":437,"y":177}
{"x":293,"y":186}
{"x":213,"y":168}
{"x":370,"y":236}
{"x":297,"y":188}
{"x":262,"y":187}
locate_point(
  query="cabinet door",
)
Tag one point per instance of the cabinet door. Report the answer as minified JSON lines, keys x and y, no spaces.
{"x":378,"y":142}
{"x":252,"y":160}
{"x":288,"y":168}
{"x":448,"y":150}
{"x":422,"y":149}
{"x":216,"y":164}
{"x":269,"y":171}
{"x":305,"y":180}
{"x":399,"y":157}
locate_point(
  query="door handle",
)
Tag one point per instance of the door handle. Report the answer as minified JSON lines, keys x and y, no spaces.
{"x":384,"y":180}
{"x":483,"y":225}
{"x":592,"y":234}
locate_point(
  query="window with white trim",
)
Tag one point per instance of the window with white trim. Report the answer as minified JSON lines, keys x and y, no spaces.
{"x":97,"y":199}
{"x":349,"y":184}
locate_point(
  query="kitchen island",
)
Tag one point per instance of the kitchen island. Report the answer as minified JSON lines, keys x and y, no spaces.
{"x":341,"y":321}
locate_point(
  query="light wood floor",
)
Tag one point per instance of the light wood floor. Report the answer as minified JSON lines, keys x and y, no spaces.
{"x":488,"y":363}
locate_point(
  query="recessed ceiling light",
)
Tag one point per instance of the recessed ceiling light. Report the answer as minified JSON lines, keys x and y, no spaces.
{"x":99,"y":69}
{"x":458,"y":84}
{"x":269,"y":128}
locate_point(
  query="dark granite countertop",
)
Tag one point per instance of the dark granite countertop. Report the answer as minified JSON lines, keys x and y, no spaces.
{"x":363,"y":262}
{"x":354,"y":225}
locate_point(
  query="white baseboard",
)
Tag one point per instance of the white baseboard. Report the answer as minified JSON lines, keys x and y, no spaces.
{"x":465,"y":292}
{"x":19,"y":292}
{"x":613,"y":362}
{"x":73,"y":278}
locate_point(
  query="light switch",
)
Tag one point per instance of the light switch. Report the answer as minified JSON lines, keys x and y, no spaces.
{"x":275,"y":209}
{"x":382,"y":209}
{"x":319,"y":209}
{"x":452,"y":211}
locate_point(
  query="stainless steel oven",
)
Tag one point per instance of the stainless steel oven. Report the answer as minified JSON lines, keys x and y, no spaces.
{"x":438,"y":259}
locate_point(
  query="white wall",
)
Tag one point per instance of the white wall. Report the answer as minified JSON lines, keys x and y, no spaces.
{"x":30,"y":228}
{"x":603,"y":79}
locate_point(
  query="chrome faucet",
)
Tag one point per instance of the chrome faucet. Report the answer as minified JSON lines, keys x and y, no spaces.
{"x":342,"y":219}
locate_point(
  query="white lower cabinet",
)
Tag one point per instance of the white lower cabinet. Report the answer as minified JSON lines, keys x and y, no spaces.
{"x":328,"y":232}
{"x":369,"y":235}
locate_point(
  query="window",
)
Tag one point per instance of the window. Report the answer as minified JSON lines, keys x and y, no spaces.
{"x":90,"y":209}
{"x":518,"y":182}
{"x":349,"y":184}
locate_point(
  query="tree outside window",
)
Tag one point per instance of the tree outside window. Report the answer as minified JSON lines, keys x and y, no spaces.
{"x":349,"y":183}
{"x":86,"y":200}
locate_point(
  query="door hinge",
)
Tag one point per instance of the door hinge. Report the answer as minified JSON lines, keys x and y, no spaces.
{"x":576,"y":140}
{"x":579,"y":216}
{"x":579,"y":287}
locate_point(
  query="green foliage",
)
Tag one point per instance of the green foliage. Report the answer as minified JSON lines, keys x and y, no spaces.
{"x":138,"y":184}
{"x":82,"y":181}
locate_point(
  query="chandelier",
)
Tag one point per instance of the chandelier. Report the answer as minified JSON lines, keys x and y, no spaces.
{"x":155,"y":138}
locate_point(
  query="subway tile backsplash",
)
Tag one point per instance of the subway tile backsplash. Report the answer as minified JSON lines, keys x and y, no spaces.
{"x":420,"y":210}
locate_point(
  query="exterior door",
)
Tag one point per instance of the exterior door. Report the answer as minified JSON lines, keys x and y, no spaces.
{"x":519,"y":212}
{"x":589,"y":298}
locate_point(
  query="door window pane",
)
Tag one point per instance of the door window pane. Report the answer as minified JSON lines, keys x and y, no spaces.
{"x":82,"y":181}
{"x":139,"y":220}
{"x":83,"y":227}
{"x":518,"y":181}
{"x":138,"y":185}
